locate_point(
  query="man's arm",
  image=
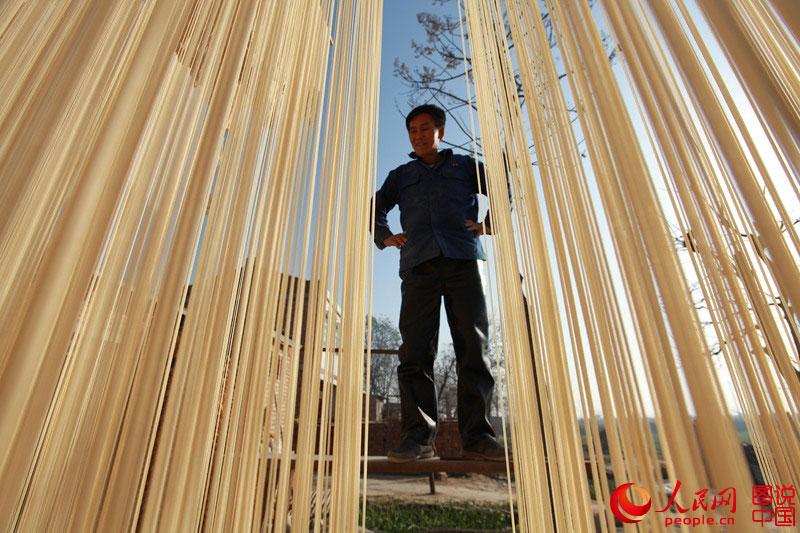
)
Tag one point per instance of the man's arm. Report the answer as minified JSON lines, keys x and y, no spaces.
{"x":385,"y":200}
{"x":486,"y":226}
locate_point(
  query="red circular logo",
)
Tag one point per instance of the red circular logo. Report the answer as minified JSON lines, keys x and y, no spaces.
{"x":624,"y":509}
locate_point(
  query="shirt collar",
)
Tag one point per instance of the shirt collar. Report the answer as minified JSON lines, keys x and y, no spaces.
{"x":443,"y":155}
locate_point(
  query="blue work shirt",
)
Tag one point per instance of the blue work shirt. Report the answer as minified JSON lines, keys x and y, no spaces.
{"x":434,"y":203}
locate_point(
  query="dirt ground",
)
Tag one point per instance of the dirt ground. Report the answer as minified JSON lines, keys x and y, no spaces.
{"x":453,"y":488}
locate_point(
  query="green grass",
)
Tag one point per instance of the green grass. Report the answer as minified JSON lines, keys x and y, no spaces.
{"x":389,"y":517}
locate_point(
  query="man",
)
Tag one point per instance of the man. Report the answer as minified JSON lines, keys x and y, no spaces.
{"x":439,"y":252}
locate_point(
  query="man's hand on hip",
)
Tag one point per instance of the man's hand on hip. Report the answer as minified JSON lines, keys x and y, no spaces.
{"x":479,"y":228}
{"x":398,"y":241}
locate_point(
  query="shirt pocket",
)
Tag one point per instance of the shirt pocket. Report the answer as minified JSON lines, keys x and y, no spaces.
{"x":457,"y":184}
{"x":410,"y":191}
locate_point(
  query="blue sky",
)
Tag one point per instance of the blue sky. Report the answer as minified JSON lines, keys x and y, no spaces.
{"x":399,"y":28}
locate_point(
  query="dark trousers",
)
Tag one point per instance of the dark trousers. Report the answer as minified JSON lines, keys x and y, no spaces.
{"x":423,"y":287}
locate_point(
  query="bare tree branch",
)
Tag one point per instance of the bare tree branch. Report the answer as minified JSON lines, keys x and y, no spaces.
{"x":438,"y":74}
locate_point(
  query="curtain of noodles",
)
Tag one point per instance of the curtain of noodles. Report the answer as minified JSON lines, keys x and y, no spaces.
{"x":186,"y":261}
{"x":219,"y":153}
{"x":611,"y":301}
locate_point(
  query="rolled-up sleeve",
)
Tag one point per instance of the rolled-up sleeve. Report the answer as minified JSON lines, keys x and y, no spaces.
{"x":385,"y":200}
{"x":481,"y":180}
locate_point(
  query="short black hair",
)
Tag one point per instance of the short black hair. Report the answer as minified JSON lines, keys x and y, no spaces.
{"x":436,"y":113}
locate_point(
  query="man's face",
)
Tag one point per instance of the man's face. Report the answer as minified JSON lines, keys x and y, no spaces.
{"x":424,"y":135}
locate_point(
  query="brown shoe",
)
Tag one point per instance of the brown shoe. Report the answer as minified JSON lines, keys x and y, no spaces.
{"x":409,"y":451}
{"x":486,"y":450}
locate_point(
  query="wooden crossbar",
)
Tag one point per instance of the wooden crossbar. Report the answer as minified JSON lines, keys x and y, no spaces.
{"x":381,"y":465}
